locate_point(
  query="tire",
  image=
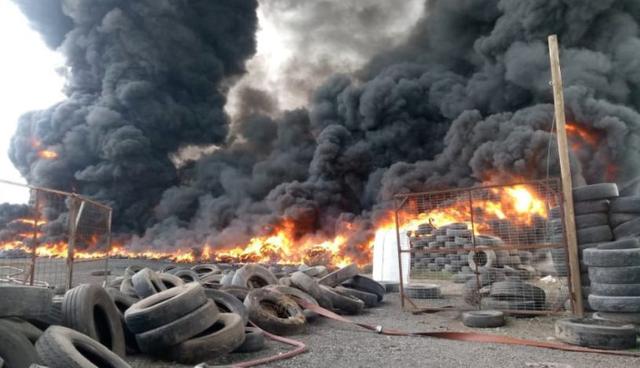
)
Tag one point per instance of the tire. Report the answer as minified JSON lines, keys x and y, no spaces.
{"x":275,"y":312}
{"x":518,"y":291}
{"x":628,"y":229}
{"x":115,"y":283}
{"x":462,"y":277}
{"x":227,"y":303}
{"x":594,"y":234}
{"x":616,"y":219}
{"x":211,"y":278}
{"x":15,"y":348}
{"x":252,"y":276}
{"x":61,"y":347}
{"x":591,"y":220}
{"x":629,"y":204}
{"x":481,"y":258}
{"x":622,"y":318}
{"x":370,"y":300}
{"x":227,"y":279}
{"x":459,"y":232}
{"x":487,"y":240}
{"x":168,"y":268}
{"x":126,"y":287}
{"x":90,"y":310}
{"x":615,"y":275}
{"x":343,"y":303}
{"x":620,"y":244}
{"x":24,"y":301}
{"x":311,"y":287}
{"x":132,"y":270}
{"x":316,"y":271}
{"x":31,"y":332}
{"x":516,"y":305}
{"x":204,"y":269}
{"x":297,"y":295}
{"x":146,"y":282}
{"x":423,"y":291}
{"x":285,"y":281}
{"x":221,"y":338}
{"x":253,"y":341}
{"x":367,"y":285}
{"x":239,"y":292}
{"x":611,"y":257}
{"x":585,"y":207}
{"x":595,"y":192}
{"x":622,"y":304}
{"x":180,"y":330}
{"x":124,"y":302}
{"x":335,"y":278}
{"x":615,"y":289}
{"x":186,"y":274}
{"x":162,"y":308}
{"x":595,"y":333}
{"x":483,"y":319}
{"x":170,"y":281}
{"x":390,"y":286}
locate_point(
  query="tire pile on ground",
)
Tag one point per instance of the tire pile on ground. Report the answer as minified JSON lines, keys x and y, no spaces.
{"x":178,"y":314}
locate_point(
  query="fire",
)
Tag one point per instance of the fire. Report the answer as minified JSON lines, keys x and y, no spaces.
{"x":47,"y":154}
{"x":582,"y":134}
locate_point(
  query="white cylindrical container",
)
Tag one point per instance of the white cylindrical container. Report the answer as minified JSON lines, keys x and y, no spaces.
{"x":385,"y":256}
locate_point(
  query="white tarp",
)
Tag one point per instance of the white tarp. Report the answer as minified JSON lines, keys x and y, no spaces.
{"x":385,"y":256}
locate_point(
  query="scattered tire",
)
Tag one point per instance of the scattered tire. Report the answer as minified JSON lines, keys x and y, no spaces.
{"x":24,"y":301}
{"x":370,"y":300}
{"x":227,"y":278}
{"x":90,"y":310}
{"x":146,"y":282}
{"x":611,"y":257}
{"x":239,"y":292}
{"x":115,"y":282}
{"x":316,"y":271}
{"x":186,"y":275}
{"x":61,"y":347}
{"x":15,"y":348}
{"x":596,"y":333}
{"x":253,"y":341}
{"x":595,"y":191}
{"x":124,"y":302}
{"x":483,"y":319}
{"x":622,"y":318}
{"x":31,"y":332}
{"x":227,"y":303}
{"x":335,"y":278}
{"x":343,"y":303}
{"x":585,"y":207}
{"x":591,"y":220}
{"x":620,"y":244}
{"x":297,"y":295}
{"x":461,"y":278}
{"x":624,"y":304}
{"x":311,"y":287}
{"x":615,"y":275}
{"x":629,"y":204}
{"x":162,"y":308}
{"x":252,"y":276}
{"x":170,"y":281}
{"x":168,"y":268}
{"x":366,"y":284}
{"x":126,"y":287}
{"x":275,"y":312}
{"x":518,"y":290}
{"x":204,"y":269}
{"x":617,"y":219}
{"x":514,"y":305}
{"x":222,"y":337}
{"x":628,"y":229}
{"x":157,"y":340}
{"x":132,"y":270}
{"x":594,"y":234}
{"x":423,"y":291}
{"x":481,"y":258}
{"x":487,"y":240}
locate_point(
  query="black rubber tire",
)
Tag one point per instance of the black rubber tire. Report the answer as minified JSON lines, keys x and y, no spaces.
{"x":185,"y":274}
{"x":481,"y":258}
{"x":615,"y":275}
{"x":53,"y":317}
{"x":275,"y":312}
{"x":227,"y":303}
{"x":615,"y":289}
{"x":164,"y":307}
{"x":132,"y":270}
{"x":616,"y":219}
{"x":114,"y":283}
{"x":595,"y":333}
{"x":366,"y":284}
{"x":315,"y":271}
{"x":170,"y":281}
{"x":487,"y":240}
{"x":168,"y":268}
{"x":594,"y":234}
{"x":124,"y":302}
{"x":620,"y":244}
{"x":31,"y":332}
{"x":252,"y":276}
{"x":90,"y":310}
{"x":211,"y":278}
{"x":227,"y":278}
{"x":620,"y":304}
{"x":555,"y":212}
{"x":370,"y":300}
{"x":459,"y":232}
{"x":146,"y":282}
{"x":628,"y":229}
{"x":253,"y":341}
{"x":518,"y":291}
{"x":483,"y":319}
{"x":126,"y":287}
{"x":311,"y":287}
{"x":204,"y":269}
{"x":515,"y":305}
{"x":24,"y":301}
{"x":297,"y":295}
{"x":239,"y":292}
{"x":15,"y":348}
{"x":622,"y":318}
{"x":629,"y":204}
{"x":390,"y":286}
{"x":180,"y":330}
{"x":61,"y":347}
{"x":611,"y":257}
{"x":595,"y":191}
{"x":585,"y":207}
{"x":335,"y":278}
{"x":343,"y":303}
{"x":591,"y":220}
{"x":423,"y":291}
{"x":223,"y":337}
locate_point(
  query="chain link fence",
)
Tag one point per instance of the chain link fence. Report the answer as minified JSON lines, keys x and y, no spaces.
{"x":493,"y":247}
{"x":49,"y":239}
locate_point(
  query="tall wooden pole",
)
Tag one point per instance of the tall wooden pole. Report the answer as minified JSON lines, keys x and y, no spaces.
{"x":565,"y":173}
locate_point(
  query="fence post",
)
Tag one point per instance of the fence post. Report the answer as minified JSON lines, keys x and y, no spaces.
{"x":34,"y":245}
{"x":74,"y":213}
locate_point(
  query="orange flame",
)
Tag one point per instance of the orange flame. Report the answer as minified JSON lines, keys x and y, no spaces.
{"x":47,"y":154}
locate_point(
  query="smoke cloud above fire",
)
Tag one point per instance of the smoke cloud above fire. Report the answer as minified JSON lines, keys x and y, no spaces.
{"x":463,"y":99}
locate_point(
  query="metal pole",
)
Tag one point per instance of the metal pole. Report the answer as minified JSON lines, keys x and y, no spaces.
{"x":399,"y":257}
{"x":106,"y":263}
{"x":34,"y":245}
{"x":565,"y":173}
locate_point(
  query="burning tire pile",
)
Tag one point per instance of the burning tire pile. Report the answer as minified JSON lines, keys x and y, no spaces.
{"x":181,"y":315}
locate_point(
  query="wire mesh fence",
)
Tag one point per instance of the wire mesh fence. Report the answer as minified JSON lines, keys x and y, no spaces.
{"x":493,"y":247}
{"x":42,"y":241}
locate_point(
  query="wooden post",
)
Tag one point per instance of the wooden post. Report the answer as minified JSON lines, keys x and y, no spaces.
{"x":565,"y":174}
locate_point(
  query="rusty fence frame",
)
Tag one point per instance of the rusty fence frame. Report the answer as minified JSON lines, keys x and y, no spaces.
{"x":401,"y":199}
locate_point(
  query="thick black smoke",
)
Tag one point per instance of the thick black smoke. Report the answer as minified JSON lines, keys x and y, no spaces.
{"x":465,"y":100}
